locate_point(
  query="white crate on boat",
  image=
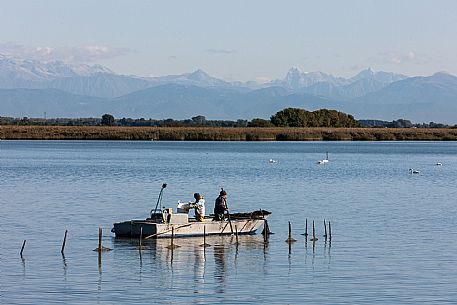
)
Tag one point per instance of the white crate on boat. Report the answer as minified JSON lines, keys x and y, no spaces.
{"x":179,"y":218}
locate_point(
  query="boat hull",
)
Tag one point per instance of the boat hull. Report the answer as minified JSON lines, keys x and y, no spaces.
{"x":133,"y":228}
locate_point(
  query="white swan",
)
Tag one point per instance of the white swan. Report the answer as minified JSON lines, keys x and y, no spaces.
{"x":324,"y":160}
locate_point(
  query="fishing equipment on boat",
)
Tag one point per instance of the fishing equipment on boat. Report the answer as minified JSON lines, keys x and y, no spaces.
{"x":159,"y":201}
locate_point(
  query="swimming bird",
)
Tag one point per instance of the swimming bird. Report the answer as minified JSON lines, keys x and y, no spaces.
{"x":413,"y":171}
{"x":324,"y":160}
{"x":439,"y":164}
{"x":272,"y":161}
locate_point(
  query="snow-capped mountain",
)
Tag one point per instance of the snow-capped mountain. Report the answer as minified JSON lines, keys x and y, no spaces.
{"x":197,"y":78}
{"x":322,"y":84}
{"x":29,"y":87}
{"x":35,"y":71}
{"x":296,"y":79}
{"x":379,"y":76}
{"x":91,"y":80}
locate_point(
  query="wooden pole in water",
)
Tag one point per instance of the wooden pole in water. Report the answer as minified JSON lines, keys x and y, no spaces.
{"x":204,"y":235}
{"x":290,"y":231}
{"x":141,"y":238}
{"x":265,"y":231}
{"x":172,"y":237}
{"x":314,"y":238}
{"x":23,"y":245}
{"x":306,"y":228}
{"x":64,"y":241}
{"x":99,"y":240}
{"x":236,"y":235}
{"x":101,"y":249}
{"x":329,"y":231}
{"x":204,"y":238}
{"x":172,"y":245}
{"x":290,"y":239}
{"x":325,"y":230}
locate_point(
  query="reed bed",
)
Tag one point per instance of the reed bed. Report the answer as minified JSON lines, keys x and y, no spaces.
{"x":224,"y":133}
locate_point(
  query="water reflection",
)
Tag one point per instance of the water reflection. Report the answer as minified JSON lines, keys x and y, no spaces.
{"x":206,"y":269}
{"x":220,"y":267}
{"x":99,"y":281}
{"x":329,"y":254}
{"x":199,"y":267}
{"x":314,"y":252}
{"x":100,"y":262}
{"x":24,"y":273}
{"x":64,"y":262}
{"x":265,"y":249}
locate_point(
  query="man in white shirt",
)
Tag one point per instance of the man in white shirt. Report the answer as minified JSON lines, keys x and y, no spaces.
{"x":199,"y":206}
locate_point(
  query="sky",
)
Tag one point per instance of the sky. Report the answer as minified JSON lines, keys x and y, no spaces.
{"x":237,"y":39}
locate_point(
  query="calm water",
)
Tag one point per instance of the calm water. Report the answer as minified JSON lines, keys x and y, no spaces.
{"x":394,"y":234}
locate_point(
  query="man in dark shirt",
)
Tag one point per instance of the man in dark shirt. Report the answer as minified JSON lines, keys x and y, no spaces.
{"x":220,"y":206}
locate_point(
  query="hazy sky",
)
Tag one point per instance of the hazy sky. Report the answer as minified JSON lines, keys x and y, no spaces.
{"x":236,"y":39}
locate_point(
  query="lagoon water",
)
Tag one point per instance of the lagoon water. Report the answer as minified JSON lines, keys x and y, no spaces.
{"x":394,"y":235}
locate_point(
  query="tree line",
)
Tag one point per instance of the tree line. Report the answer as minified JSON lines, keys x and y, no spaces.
{"x":288,"y":117}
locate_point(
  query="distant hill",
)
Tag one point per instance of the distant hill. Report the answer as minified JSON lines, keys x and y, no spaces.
{"x":56,"y":103}
{"x":180,"y":101}
{"x":30,"y":87}
{"x":423,"y":99}
{"x":322,"y":84}
{"x":98,"y":85}
{"x":165,"y":101}
{"x":197,"y":78}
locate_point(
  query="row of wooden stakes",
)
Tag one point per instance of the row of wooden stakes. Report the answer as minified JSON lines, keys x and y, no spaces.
{"x":99,"y":249}
{"x":313,"y":238}
{"x":266,"y":232}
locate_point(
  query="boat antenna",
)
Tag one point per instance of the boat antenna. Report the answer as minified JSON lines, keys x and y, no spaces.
{"x":159,"y":200}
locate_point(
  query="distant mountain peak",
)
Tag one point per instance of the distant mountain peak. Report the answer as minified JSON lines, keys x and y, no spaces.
{"x":366,"y":73}
{"x":296,"y":79}
{"x":294,"y":70}
{"x":378,"y":76}
{"x":198,"y":74}
{"x":34,"y":70}
{"x":444,"y":73}
{"x":443,"y":77}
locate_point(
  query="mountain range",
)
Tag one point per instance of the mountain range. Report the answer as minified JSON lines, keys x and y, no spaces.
{"x":30,"y":88}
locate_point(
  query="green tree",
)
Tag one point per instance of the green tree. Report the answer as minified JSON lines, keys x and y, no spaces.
{"x":260,"y":123}
{"x":296,"y":117}
{"x":290,"y":117}
{"x":199,"y":120}
{"x":402,"y":123}
{"x":107,"y":120}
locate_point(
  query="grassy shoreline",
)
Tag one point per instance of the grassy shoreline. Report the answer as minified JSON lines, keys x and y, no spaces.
{"x":12,"y":132}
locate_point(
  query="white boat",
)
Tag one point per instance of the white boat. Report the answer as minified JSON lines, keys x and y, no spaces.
{"x":166,"y":223}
